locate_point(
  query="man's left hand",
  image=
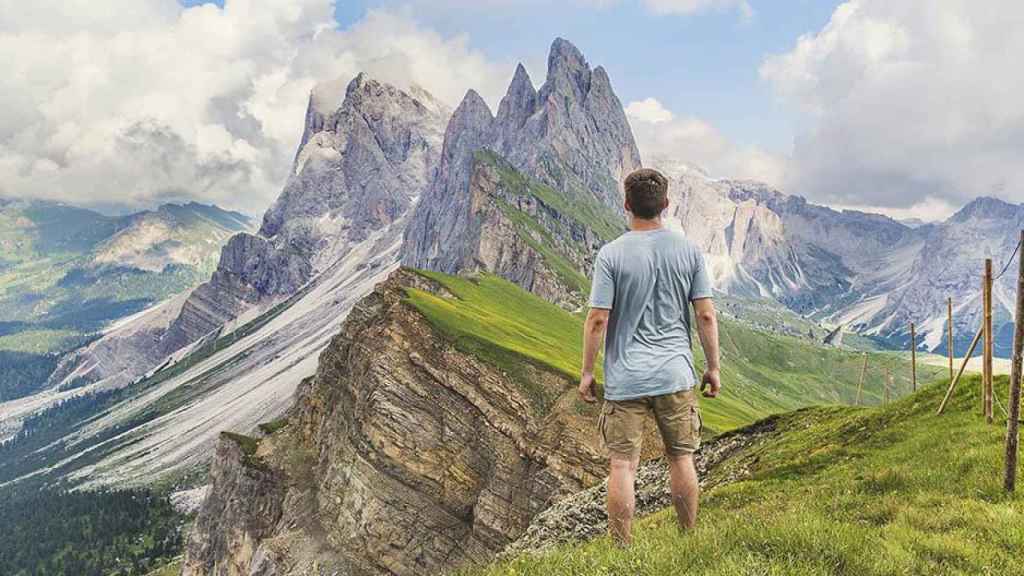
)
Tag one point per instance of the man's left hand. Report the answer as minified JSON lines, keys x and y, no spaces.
{"x":587,"y":389}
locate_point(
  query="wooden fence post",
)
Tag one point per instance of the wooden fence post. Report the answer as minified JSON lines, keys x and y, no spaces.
{"x":913,"y":356}
{"x":888,"y":383}
{"x":863,"y":373}
{"x":949,"y":341}
{"x":1013,"y":417}
{"x":988,"y":349}
{"x":963,"y":366}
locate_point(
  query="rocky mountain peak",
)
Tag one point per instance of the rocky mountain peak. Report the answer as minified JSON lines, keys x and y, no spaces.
{"x":519,"y":102}
{"x":472,"y":108}
{"x":571,"y":136}
{"x":470,"y":128}
{"x":567,"y":67}
{"x":379,"y":130}
{"x":987,"y":207}
{"x":359,"y":83}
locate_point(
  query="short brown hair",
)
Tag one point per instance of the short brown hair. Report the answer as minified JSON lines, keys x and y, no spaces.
{"x":646,"y":193}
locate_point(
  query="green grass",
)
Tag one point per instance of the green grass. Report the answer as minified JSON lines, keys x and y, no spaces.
{"x":840,"y":491}
{"x":269,"y":428}
{"x":172,"y":568}
{"x":53,"y":283}
{"x":506,"y":326}
{"x":528,"y":228}
{"x":580,"y":206}
{"x":248,"y":445}
{"x":763,"y":374}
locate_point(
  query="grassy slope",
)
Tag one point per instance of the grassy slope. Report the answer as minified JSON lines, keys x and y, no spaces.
{"x":578,"y":205}
{"x":52,"y":292}
{"x":763,"y":374}
{"x":859,"y":491}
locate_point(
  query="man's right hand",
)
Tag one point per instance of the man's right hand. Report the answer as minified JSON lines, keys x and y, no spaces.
{"x":711,"y":383}
{"x":587,"y":389}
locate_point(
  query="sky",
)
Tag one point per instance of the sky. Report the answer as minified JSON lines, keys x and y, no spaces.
{"x":908,"y":107}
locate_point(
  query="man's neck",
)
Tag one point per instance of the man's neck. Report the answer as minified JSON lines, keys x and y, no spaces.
{"x":642,"y":224}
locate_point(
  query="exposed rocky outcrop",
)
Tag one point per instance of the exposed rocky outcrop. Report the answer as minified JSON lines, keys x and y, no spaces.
{"x":571,"y":136}
{"x":584,"y":515}
{"x":243,"y":506}
{"x":402,"y":455}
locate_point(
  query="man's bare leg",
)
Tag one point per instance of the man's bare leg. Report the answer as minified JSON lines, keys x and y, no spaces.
{"x":685,"y":489}
{"x":621,"y":499}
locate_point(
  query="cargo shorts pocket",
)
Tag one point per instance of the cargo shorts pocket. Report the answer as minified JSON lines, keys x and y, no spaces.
{"x":602,"y":422}
{"x":680,"y":424}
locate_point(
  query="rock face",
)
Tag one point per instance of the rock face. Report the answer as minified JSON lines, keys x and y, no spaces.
{"x":571,"y":136}
{"x":242,"y":508}
{"x":402,"y":456}
{"x":865,"y":271}
{"x":230,"y":354}
{"x":359,"y":169}
{"x":942,"y":260}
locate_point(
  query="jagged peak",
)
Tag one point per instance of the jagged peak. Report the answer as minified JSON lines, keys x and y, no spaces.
{"x":567,"y":69}
{"x":520,"y":99}
{"x":472,"y":104}
{"x":985,"y":207}
{"x":565,"y":54}
{"x":521,"y":80}
{"x":363,"y":83}
{"x":328,"y":96}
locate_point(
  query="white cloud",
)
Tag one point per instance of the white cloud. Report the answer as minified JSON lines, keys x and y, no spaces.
{"x":649,"y":110}
{"x":143,"y":101}
{"x":680,"y":7}
{"x":666,"y":137}
{"x":929,"y":209}
{"x":904,"y":104}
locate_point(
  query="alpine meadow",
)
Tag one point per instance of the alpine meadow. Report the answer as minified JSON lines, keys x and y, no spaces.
{"x":310,"y":287}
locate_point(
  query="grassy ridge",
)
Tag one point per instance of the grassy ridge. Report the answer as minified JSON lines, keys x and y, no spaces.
{"x":857,"y":491}
{"x":576,"y":204}
{"x":763,"y":374}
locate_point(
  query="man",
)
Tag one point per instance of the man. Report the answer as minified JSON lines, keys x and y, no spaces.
{"x":643,"y":283}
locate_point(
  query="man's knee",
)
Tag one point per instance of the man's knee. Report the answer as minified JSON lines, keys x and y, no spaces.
{"x":623,"y":464}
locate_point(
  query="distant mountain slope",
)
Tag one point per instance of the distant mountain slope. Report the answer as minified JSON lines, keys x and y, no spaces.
{"x":67,"y":273}
{"x":160,"y":387}
{"x":827,"y":490}
{"x":360,"y":166}
{"x":867,"y":272}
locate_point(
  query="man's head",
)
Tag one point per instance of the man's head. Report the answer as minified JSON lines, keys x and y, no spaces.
{"x":646,"y":193}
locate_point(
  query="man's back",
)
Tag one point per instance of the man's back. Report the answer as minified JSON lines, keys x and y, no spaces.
{"x":647,"y":279}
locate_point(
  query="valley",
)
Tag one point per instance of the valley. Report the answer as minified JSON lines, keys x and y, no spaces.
{"x":379,"y":379}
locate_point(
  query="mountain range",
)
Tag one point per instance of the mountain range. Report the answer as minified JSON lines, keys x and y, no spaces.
{"x":68,"y":273}
{"x":868,"y":273}
{"x":379,"y":328}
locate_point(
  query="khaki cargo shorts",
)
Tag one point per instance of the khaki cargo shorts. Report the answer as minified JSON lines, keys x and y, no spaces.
{"x":621,"y":424}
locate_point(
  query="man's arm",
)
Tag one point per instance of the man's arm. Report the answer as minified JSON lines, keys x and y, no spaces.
{"x":593,"y":334}
{"x":707,"y":329}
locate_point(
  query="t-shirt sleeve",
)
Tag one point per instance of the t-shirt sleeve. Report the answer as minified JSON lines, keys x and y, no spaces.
{"x":602,"y":288}
{"x":700,"y":285}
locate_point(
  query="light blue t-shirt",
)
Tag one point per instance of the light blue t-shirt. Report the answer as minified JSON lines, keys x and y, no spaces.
{"x":647,"y":280}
